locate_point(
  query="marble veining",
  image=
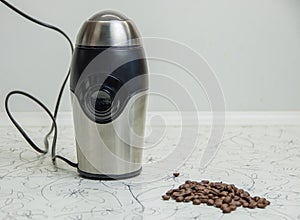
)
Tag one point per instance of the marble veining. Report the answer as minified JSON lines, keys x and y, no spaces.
{"x":262,"y":159}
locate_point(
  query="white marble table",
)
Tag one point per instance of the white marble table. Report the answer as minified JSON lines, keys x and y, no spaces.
{"x":262,"y":159}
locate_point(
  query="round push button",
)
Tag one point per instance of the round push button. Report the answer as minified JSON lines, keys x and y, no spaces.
{"x":101,"y":101}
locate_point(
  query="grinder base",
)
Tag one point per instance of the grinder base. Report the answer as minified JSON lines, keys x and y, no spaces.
{"x":108,"y":176}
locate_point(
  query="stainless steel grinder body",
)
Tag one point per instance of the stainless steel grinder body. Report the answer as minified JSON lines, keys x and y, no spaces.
{"x":109,"y":83}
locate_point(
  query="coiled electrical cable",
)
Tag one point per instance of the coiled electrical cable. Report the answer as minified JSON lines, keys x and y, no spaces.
{"x":57,"y":104}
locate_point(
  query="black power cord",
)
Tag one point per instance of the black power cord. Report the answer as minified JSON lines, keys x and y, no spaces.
{"x":52,"y":116}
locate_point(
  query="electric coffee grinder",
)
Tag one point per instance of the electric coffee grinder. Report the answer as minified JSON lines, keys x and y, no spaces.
{"x":109,"y":83}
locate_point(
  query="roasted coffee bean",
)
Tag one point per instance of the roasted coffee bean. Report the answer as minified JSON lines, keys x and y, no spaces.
{"x":205,"y":181}
{"x":169,"y":192}
{"x":218,"y":200}
{"x":212,"y":184}
{"x":245,"y":195}
{"x":233,"y":186}
{"x":188,"y":199}
{"x":220,"y":187}
{"x":207,"y":186}
{"x":229,"y":188}
{"x":196,"y":202}
{"x":193,"y":187}
{"x":210,"y":195}
{"x":179,"y":199}
{"x":165,"y":197}
{"x":252,"y":205}
{"x":224,"y":193}
{"x":206,"y":191}
{"x":186,"y":186}
{"x":261,"y":205}
{"x":218,"y":203}
{"x":226,"y":210}
{"x":236,"y":198}
{"x":256,"y":198}
{"x":224,"y":205}
{"x":176,"y":194}
{"x":195,"y":183}
{"x":232,"y":207}
{"x":181,"y":186}
{"x":176,"y":174}
{"x":231,"y":194}
{"x":204,"y":200}
{"x":227,"y":199}
{"x":200,"y":188}
{"x":173,"y":197}
{"x":187,"y":193}
{"x":248,"y":199}
{"x":215,"y":191}
{"x":210,"y":202}
{"x":203,"y":197}
{"x":237,"y":203}
{"x":240,"y":191}
{"x":245,"y":204}
{"x":198,"y":193}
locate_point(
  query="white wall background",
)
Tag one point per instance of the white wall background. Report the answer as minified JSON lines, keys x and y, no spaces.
{"x":253,"y":46}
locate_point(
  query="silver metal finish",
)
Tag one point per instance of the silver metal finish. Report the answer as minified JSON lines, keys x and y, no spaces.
{"x":109,"y":141}
{"x":108,"y":28}
{"x":114,"y":148}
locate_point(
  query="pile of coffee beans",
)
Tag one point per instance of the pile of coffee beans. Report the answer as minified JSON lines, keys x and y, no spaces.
{"x":227,"y":197}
